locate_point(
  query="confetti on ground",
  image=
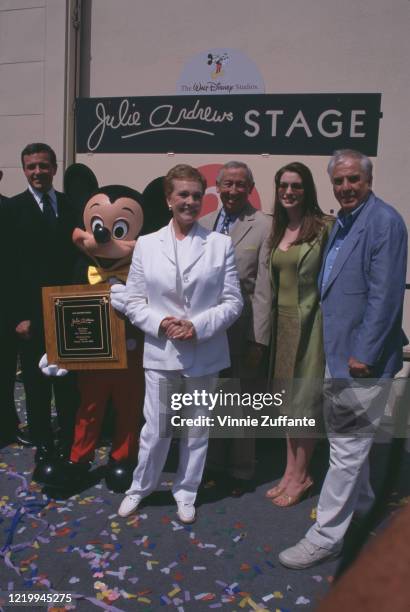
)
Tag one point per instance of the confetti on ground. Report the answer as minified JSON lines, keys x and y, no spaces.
{"x":302,"y":601}
{"x":268,"y":597}
{"x":146,"y":561}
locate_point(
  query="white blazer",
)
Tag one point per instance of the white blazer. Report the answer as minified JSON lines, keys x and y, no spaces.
{"x":209,"y":297}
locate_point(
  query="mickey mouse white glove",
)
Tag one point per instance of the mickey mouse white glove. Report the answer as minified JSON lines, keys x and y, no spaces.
{"x":118,"y":297}
{"x":50,"y":369}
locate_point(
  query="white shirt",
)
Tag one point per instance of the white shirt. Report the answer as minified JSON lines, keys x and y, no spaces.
{"x":38,"y":196}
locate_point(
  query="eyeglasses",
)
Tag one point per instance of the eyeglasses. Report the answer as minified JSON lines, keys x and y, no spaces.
{"x":293,"y":186}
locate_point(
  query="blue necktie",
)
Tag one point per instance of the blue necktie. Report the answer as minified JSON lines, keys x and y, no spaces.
{"x":225,"y":224}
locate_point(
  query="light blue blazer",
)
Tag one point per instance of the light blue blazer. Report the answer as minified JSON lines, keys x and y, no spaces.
{"x":362,"y":302}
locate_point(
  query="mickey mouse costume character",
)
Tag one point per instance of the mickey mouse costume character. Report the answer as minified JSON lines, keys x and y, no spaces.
{"x":113,"y":218}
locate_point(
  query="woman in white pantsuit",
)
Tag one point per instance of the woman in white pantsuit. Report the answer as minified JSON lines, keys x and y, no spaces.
{"x":183,"y":292}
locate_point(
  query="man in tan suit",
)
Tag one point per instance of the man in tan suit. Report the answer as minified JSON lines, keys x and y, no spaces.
{"x":248,"y":229}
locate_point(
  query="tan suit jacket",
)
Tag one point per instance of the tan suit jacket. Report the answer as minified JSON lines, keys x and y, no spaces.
{"x":248,"y":235}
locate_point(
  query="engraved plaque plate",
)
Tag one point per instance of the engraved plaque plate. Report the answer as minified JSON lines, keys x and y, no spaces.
{"x":82,"y":330}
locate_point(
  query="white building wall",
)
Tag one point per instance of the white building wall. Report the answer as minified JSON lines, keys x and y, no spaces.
{"x":138,"y":47}
{"x":32,"y":82}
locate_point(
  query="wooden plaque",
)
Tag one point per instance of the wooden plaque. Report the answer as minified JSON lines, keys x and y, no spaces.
{"x":82,"y":330}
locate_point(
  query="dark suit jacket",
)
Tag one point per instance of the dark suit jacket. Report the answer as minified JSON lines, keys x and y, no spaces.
{"x":8,"y":271}
{"x":42,"y":257}
{"x":9,"y":420}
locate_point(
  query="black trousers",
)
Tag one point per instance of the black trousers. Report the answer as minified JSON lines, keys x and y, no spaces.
{"x":39,"y":389}
{"x":8,"y":358}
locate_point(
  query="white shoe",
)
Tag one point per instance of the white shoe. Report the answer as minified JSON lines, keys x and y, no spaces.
{"x":129,"y":505}
{"x":186,"y":512}
{"x":305,"y":554}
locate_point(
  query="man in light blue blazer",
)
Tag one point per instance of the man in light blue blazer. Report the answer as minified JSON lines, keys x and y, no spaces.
{"x":362,"y":284}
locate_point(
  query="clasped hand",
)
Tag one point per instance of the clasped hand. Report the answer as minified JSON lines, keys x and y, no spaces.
{"x":177,"y":329}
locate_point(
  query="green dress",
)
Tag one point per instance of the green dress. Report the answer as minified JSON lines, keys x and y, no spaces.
{"x":284,"y":266}
{"x":297,"y":359}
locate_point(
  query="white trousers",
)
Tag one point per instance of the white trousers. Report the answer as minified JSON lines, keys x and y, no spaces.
{"x":156,"y":435}
{"x":346,"y":488}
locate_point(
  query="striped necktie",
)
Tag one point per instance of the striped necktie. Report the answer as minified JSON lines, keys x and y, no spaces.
{"x":225,"y":224}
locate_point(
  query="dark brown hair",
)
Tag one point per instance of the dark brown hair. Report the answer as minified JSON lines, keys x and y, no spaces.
{"x":182,"y":172}
{"x":39,"y":147}
{"x":313,"y":217}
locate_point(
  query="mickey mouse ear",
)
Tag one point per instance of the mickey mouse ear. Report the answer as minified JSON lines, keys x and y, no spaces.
{"x":156,"y":212}
{"x":79,"y":183}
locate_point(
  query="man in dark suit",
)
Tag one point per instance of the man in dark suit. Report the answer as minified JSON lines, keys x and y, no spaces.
{"x":9,"y":420}
{"x":42,"y":221}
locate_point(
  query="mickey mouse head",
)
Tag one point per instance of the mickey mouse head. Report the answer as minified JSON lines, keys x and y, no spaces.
{"x":113,"y":218}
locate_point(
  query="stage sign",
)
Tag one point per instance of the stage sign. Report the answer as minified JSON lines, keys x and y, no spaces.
{"x":285,"y":124}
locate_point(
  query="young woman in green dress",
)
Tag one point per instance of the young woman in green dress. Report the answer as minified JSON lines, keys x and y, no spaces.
{"x":300,"y":231}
